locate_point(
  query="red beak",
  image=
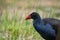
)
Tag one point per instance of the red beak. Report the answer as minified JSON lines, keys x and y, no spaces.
{"x":28,"y":17}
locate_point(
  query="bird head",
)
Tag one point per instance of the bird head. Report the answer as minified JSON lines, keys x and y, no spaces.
{"x":33,"y":15}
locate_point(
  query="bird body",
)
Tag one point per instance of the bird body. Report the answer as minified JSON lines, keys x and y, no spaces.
{"x":46,"y":31}
{"x":54,"y":22}
{"x":46,"y":27}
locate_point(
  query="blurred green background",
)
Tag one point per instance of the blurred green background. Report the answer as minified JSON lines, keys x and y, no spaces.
{"x":13,"y":25}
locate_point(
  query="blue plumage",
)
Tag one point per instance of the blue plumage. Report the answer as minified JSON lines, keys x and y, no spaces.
{"x":47,"y":27}
{"x":46,"y":31}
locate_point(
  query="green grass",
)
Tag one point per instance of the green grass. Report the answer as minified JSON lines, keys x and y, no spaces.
{"x":17,"y":30}
{"x":21,"y":30}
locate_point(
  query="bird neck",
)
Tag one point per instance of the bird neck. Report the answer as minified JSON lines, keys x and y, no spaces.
{"x":37,"y":20}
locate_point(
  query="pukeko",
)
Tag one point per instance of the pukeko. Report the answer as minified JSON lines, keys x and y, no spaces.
{"x":46,"y":27}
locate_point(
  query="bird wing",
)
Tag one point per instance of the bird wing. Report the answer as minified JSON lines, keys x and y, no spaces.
{"x":45,"y":30}
{"x":54,"y":22}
